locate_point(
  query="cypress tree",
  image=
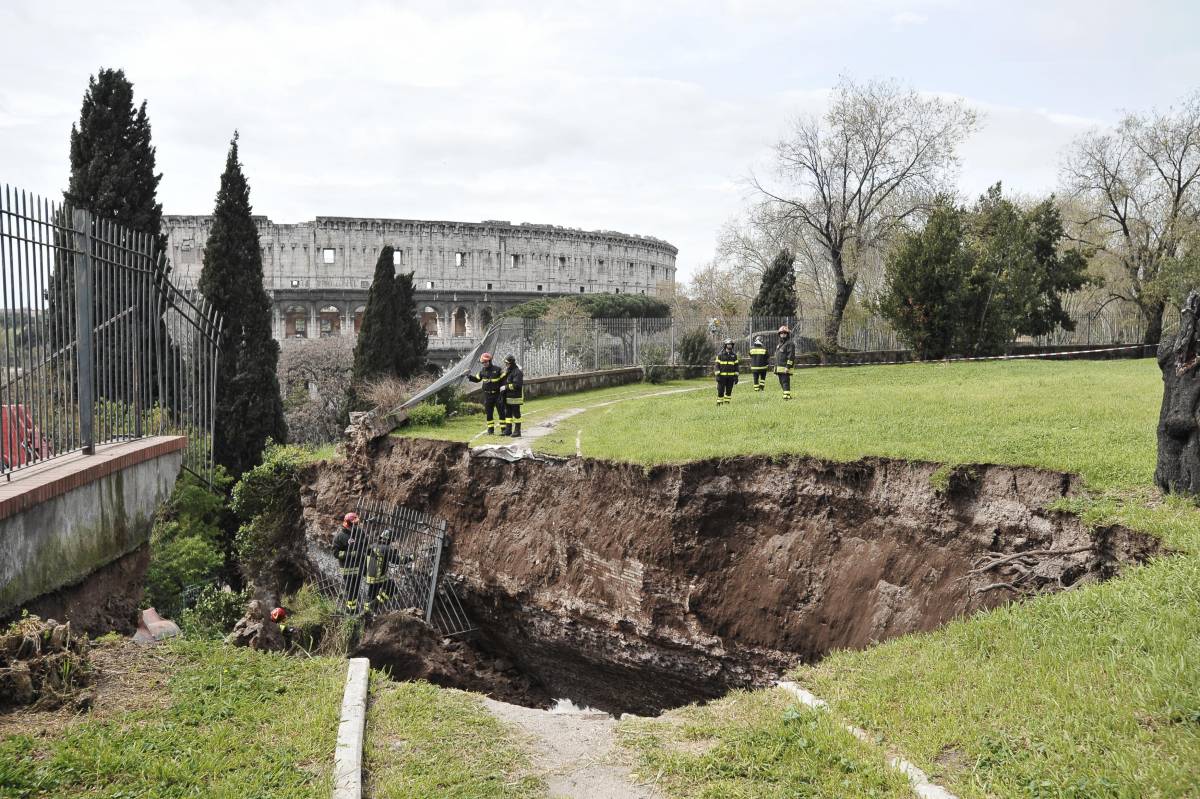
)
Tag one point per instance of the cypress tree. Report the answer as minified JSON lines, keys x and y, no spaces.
{"x":249,"y":408}
{"x":777,"y":294}
{"x":113,"y":177}
{"x":411,"y":335}
{"x":377,"y":351}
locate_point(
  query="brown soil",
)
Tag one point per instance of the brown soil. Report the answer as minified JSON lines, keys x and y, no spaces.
{"x":633,"y":590}
{"x":106,"y":600}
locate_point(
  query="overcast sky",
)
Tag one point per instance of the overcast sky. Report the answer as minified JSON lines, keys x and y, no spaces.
{"x":643,"y":117}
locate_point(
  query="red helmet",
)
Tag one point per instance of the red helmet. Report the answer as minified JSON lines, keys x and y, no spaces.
{"x":486,"y":357}
{"x":278,"y":615}
{"x":350,"y":518}
{"x":785,"y":329}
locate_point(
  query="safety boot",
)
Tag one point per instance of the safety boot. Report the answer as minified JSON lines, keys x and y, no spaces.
{"x":506,"y":430}
{"x":516,"y":431}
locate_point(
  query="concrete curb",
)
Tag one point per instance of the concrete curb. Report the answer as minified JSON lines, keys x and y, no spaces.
{"x":347,"y":757}
{"x":918,"y":779}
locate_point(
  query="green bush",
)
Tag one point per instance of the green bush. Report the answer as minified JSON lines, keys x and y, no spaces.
{"x":214,"y":614}
{"x":695,"y":352}
{"x":271,"y":548}
{"x":451,"y":398}
{"x":316,"y":625}
{"x":427,"y":415}
{"x":654,"y":364}
{"x":185,"y":544}
{"x":468,"y":409}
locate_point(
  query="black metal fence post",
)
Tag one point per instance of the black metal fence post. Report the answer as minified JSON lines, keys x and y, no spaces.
{"x":85,"y":354}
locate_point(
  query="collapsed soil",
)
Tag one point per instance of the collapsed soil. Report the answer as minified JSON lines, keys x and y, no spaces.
{"x":634,"y":590}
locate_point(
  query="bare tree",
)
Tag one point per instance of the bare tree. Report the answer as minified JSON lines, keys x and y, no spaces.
{"x":315,"y":378}
{"x":1137,"y":187}
{"x":880,"y":154}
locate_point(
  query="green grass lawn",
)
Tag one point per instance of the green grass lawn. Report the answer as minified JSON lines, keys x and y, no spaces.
{"x":233,"y":723}
{"x":435,"y":743}
{"x":466,"y":428}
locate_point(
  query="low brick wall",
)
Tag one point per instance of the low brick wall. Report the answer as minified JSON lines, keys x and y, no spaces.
{"x":551,"y":385}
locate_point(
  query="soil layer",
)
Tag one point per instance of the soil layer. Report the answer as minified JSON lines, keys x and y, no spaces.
{"x":631,"y":589}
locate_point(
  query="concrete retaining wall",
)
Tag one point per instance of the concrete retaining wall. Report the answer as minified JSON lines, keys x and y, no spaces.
{"x":63,"y":520}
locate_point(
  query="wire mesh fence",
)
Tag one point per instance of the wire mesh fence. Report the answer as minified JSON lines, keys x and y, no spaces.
{"x":395,"y":559}
{"x":98,"y":346}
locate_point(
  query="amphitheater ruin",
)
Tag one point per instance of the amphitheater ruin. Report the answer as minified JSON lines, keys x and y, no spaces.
{"x":466,"y":273}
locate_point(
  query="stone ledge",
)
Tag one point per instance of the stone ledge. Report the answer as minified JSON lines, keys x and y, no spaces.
{"x":37,"y":484}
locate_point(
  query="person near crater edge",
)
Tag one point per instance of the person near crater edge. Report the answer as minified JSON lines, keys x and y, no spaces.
{"x":490,"y":376}
{"x":785,"y":359}
{"x":512,"y":397}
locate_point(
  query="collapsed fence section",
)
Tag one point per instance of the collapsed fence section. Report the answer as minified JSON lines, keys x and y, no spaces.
{"x":395,"y":559}
{"x":98,"y":346}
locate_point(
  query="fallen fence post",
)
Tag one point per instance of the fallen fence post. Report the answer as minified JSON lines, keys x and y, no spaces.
{"x":347,"y":756}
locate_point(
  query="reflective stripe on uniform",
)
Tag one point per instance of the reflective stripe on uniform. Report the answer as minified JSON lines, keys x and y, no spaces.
{"x":783,"y":370}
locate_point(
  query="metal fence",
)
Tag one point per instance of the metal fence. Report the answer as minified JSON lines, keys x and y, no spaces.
{"x":145,"y":363}
{"x":396,"y":560}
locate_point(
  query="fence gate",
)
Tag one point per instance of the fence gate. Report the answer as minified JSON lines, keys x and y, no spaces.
{"x":396,"y":561}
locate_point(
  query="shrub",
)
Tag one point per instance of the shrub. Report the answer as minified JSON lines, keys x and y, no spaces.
{"x":695,"y":352}
{"x":654,"y":364}
{"x":468,"y":409}
{"x":316,"y":625}
{"x":214,"y":614}
{"x":271,"y":547}
{"x":186,"y":542}
{"x":390,"y":392}
{"x":427,"y":415}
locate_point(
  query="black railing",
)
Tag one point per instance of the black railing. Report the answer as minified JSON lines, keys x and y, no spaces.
{"x":145,"y":367}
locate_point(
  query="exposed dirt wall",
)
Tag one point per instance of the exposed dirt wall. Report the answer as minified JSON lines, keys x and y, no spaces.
{"x":632,"y":589}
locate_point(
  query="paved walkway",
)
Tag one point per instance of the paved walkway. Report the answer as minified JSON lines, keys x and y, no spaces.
{"x":574,"y":752}
{"x":533,"y":431}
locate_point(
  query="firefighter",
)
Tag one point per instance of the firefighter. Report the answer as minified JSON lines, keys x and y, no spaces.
{"x":785,"y":359}
{"x":279,"y":616}
{"x":512,"y":391}
{"x":727,"y":372}
{"x":758,"y":364}
{"x":349,"y":547}
{"x":490,"y":376}
{"x":380,"y":587}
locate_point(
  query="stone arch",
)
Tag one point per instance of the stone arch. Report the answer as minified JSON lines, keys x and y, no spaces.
{"x":329,"y":321}
{"x":485,"y":319}
{"x":429,"y":321}
{"x":358,"y":317}
{"x":295,"y":321}
{"x":460,"y":322}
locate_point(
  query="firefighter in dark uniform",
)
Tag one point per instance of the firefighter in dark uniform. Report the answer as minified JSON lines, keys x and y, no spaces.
{"x":380,"y":587}
{"x":512,"y":393}
{"x":727,"y":372}
{"x":785,"y":359}
{"x":490,"y":376}
{"x":758,"y":363}
{"x":349,"y":547}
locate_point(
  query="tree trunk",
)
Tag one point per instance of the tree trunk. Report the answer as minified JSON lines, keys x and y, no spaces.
{"x":1153,"y":315}
{"x":841,"y":298}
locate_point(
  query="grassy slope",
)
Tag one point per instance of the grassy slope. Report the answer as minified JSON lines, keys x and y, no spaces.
{"x":1091,"y":693}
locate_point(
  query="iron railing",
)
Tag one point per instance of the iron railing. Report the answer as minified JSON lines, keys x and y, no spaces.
{"x":146,"y":363}
{"x":397,"y":560}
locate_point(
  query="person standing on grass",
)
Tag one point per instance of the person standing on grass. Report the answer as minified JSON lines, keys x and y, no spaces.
{"x":490,"y":375}
{"x":785,"y":359}
{"x":758,"y":363}
{"x":512,"y":396}
{"x":727,"y":372}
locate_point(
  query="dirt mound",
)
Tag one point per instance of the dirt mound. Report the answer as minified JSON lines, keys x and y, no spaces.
{"x":42,"y":663}
{"x":408,"y":649}
{"x":636,"y":589}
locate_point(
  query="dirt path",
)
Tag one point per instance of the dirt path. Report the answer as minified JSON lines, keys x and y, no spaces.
{"x":574,"y":751}
{"x":531,"y":432}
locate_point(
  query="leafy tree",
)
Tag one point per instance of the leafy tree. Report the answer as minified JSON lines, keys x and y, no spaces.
{"x":596,"y":306}
{"x":972,"y":281}
{"x":850,"y":179}
{"x":777,"y":295}
{"x":249,"y":409}
{"x":926,"y":276}
{"x":377,"y":351}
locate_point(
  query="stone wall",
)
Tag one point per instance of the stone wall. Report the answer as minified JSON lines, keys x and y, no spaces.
{"x":553,"y":385}
{"x":70,"y":517}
